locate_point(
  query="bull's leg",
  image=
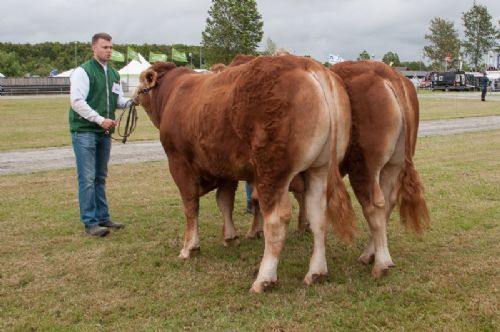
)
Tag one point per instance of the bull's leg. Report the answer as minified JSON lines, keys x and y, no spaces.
{"x":383,"y":260}
{"x":225,"y":202}
{"x":303,"y":222}
{"x":191,"y":237}
{"x":189,"y":191}
{"x":376,"y":217}
{"x":377,"y":214}
{"x":276,"y":219}
{"x":315,"y":203}
{"x":358,"y":178}
{"x":256,"y":229}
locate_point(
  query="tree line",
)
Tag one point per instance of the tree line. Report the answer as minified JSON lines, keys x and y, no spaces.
{"x":40,"y":59}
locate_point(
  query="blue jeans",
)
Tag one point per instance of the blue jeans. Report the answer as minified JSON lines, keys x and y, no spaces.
{"x":248,"y":189}
{"x":92,"y":152}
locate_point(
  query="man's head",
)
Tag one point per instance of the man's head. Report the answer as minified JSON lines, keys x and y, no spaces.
{"x":102,"y":46}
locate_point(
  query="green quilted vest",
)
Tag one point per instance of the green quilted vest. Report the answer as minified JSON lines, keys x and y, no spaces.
{"x":101,"y":97}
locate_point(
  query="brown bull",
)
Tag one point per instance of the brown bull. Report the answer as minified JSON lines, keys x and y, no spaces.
{"x":385,"y":116}
{"x":265,"y":122}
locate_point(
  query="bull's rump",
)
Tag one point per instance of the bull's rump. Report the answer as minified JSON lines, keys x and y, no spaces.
{"x":270,"y":111}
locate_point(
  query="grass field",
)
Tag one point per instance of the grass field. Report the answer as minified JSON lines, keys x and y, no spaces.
{"x":447,"y":108}
{"x":35,"y":123}
{"x":38,"y":122}
{"x":53,"y":278}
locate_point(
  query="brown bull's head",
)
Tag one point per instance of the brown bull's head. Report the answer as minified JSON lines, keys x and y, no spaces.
{"x":217,"y":68}
{"x":149,"y":80}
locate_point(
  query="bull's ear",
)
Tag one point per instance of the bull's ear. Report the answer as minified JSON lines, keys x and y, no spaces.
{"x":150,"y":78}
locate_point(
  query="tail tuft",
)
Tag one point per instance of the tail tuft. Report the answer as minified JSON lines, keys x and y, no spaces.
{"x":413,"y":210}
{"x":340,"y":208}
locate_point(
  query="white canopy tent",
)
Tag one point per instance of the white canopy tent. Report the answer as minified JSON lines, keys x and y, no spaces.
{"x":2,"y":75}
{"x":66,"y":73}
{"x":129,"y":74}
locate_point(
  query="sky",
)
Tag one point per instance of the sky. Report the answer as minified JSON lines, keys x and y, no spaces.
{"x":304,"y":27}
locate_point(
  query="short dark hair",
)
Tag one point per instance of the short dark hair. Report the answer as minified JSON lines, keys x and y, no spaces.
{"x":101,"y":35}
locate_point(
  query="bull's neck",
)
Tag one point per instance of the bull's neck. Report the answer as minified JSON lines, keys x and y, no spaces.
{"x":156,"y":109}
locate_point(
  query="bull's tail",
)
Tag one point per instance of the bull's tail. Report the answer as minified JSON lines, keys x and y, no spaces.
{"x":413,"y":210}
{"x":339,"y":206}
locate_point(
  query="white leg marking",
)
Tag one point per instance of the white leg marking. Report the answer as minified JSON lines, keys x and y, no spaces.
{"x":315,"y":201}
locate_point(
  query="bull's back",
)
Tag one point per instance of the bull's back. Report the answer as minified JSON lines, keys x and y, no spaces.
{"x":376,"y":113}
{"x":270,"y":109}
{"x":289,"y":112}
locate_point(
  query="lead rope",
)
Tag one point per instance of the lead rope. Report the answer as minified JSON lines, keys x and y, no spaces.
{"x":131,"y":116}
{"x":130,"y":124}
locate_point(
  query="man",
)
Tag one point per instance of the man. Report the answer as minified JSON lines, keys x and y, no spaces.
{"x":484,"y":86}
{"x":95,"y":93}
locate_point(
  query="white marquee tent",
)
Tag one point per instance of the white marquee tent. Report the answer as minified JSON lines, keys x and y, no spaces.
{"x":129,"y":74}
{"x":66,"y":73}
{"x":2,"y":75}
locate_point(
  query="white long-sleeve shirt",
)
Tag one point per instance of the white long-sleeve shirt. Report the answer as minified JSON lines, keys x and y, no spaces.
{"x":79,"y":91}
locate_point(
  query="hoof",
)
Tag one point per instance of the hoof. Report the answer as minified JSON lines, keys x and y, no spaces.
{"x":379,"y":272}
{"x":232,"y":242}
{"x":259,"y":287}
{"x":250,"y":235}
{"x":188,"y":253}
{"x":366,"y":259}
{"x":316,"y":278}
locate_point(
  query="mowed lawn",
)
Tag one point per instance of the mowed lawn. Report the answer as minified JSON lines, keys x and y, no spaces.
{"x":53,"y":278}
{"x":433,"y":108}
{"x":43,"y":122}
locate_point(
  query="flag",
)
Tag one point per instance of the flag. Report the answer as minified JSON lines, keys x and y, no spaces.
{"x":178,"y":56}
{"x":131,"y":54}
{"x":157,"y":57}
{"x":117,"y":56}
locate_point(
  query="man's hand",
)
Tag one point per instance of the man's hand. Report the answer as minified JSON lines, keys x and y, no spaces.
{"x":108,"y":124}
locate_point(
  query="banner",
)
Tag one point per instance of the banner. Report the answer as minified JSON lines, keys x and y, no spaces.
{"x":153,"y":57}
{"x":117,"y":56}
{"x":132,"y":54}
{"x":178,"y":56}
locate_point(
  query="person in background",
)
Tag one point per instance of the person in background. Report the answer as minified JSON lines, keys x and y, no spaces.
{"x":484,"y":86}
{"x":250,"y":207}
{"x":95,"y":93}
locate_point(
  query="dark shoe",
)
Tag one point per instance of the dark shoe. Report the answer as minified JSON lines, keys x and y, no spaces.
{"x":110,"y":224}
{"x":96,"y":230}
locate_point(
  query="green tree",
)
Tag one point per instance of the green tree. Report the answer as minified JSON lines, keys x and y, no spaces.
{"x":270,"y":47}
{"x":9,"y":64}
{"x":393,"y":58}
{"x":444,"y":41}
{"x":480,"y":34}
{"x":233,"y":26}
{"x":414,"y":65}
{"x":364,"y":55}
